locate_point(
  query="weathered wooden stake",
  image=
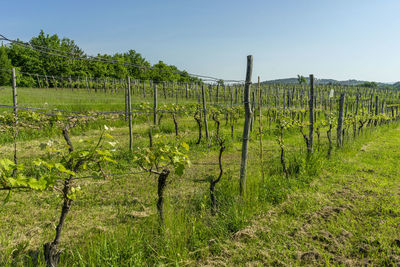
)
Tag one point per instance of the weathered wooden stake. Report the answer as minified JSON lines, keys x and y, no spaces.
{"x":15,"y":102}
{"x":340,"y":121}
{"x":246,"y":129}
{"x":311,"y":105}
{"x":205,"y":112}
{"x":260,"y":129}
{"x":37,"y":78}
{"x":130,"y":115}
{"x":155,"y":105}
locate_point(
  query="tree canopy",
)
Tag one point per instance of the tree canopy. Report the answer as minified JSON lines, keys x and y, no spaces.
{"x":131,"y":63}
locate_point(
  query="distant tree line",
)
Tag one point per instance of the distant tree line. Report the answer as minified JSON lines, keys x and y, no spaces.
{"x":32,"y":61}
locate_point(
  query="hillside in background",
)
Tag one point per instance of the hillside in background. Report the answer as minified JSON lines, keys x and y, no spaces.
{"x":330,"y":81}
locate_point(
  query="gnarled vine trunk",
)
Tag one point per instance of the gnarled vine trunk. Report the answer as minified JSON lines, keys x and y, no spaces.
{"x":214,"y":182}
{"x":175,"y":123}
{"x":198,"y":120}
{"x":51,"y":252}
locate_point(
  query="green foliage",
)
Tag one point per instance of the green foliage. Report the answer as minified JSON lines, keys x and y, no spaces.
{"x":301,"y":79}
{"x":5,"y":67}
{"x":11,"y":177}
{"x":162,"y":155}
{"x":32,"y":61}
{"x":369,"y":85}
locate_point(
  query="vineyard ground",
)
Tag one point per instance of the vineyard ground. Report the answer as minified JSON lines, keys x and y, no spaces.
{"x":350,"y":215}
{"x":339,"y":211}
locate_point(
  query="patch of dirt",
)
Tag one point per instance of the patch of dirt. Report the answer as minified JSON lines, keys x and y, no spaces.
{"x":310,"y":257}
{"x":245,"y":234}
{"x":325,"y":213}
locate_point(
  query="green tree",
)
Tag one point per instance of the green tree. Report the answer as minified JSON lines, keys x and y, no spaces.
{"x":42,"y":61}
{"x":370,"y":85}
{"x":301,"y":79}
{"x":5,"y":66}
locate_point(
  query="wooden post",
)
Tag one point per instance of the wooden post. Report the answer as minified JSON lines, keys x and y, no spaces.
{"x":204,"y":111}
{"x":311,"y":106}
{"x":376,"y":109}
{"x":260,"y":129}
{"x":47,"y":81}
{"x":164,"y":90}
{"x":55,"y":82}
{"x":155,"y":104}
{"x":376,"y":105}
{"x":37,"y":78}
{"x":130,"y":115}
{"x":126,"y":101}
{"x":15,"y":102}
{"x":236,"y":95}
{"x":340,"y":121}
{"x":144,"y":90}
{"x":176,"y":92}
{"x":217,"y":94}
{"x":357,"y":102}
{"x":246,"y":130}
{"x":253,"y":103}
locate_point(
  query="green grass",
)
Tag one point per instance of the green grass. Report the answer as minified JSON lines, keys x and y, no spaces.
{"x":329,"y":212}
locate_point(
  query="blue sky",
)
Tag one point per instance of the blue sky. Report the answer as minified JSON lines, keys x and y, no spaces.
{"x":332,"y":39}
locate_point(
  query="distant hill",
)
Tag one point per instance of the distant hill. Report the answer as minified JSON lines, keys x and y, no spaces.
{"x":328,"y":81}
{"x":397,"y":85}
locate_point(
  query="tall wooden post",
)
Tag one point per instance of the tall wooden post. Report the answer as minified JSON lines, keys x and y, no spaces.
{"x":164,"y":90}
{"x":176,"y":92}
{"x":376,"y":109}
{"x":155,"y":105}
{"x":126,"y":100}
{"x":246,"y":130}
{"x":357,"y":102}
{"x":236,"y":94}
{"x":217,"y":94}
{"x":260,"y":129}
{"x":340,"y":121}
{"x":55,"y":82}
{"x":47,"y":82}
{"x":144,"y":89}
{"x":204,"y":111}
{"x":312,"y":117}
{"x":130,"y":115}
{"x":15,"y":102}
{"x":38,"y":82}
{"x":253,"y":104}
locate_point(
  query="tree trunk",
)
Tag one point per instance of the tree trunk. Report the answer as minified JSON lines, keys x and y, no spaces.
{"x":198,"y":120}
{"x":175,"y":123}
{"x":283,"y":162}
{"x":51,"y":253}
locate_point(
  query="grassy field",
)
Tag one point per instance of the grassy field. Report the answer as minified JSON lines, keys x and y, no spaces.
{"x":341,"y":211}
